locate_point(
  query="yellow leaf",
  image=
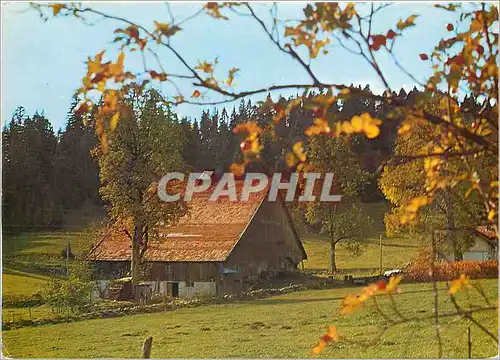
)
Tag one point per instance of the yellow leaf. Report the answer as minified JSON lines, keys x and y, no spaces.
{"x":114,"y":121}
{"x":298,"y":149}
{"x":459,"y":284}
{"x":238,"y":169}
{"x":290,"y":159}
{"x":56,"y":8}
{"x":104,"y":143}
{"x":357,"y":124}
{"x":372,"y":131}
{"x":393,"y":284}
{"x":101,"y":86}
{"x":347,"y":127}
{"x":205,"y":67}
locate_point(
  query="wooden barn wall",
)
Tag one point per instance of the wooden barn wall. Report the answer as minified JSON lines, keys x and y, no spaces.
{"x":184,"y":271}
{"x":268,"y":246}
{"x":159,"y":271}
{"x":105,"y":270}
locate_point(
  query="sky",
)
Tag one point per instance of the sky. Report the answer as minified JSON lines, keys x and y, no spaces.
{"x":43,"y":62}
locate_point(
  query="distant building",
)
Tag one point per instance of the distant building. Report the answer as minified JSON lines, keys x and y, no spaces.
{"x":219,"y":247}
{"x":484,"y":246}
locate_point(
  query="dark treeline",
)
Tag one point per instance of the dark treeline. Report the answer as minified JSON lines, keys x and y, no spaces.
{"x":210,"y":143}
{"x":47,"y":175}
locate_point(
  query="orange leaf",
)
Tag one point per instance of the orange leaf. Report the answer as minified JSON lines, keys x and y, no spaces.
{"x":377,"y":41}
{"x":391,"y":34}
{"x":56,"y":8}
{"x":459,"y":284}
{"x":196,"y":94}
{"x":238,"y":169}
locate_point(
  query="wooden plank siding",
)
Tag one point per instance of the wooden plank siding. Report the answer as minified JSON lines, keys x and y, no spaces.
{"x":269,"y":244}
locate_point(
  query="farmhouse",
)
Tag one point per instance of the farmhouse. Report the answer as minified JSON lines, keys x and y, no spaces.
{"x":219,"y":247}
{"x":484,"y":246}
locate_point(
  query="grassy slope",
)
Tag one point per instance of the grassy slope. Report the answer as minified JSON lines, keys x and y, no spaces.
{"x":19,"y":283}
{"x":396,"y":253}
{"x":283,"y":326}
{"x":26,"y":256}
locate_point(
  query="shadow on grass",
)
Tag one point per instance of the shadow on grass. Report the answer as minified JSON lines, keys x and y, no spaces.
{"x":7,"y":271}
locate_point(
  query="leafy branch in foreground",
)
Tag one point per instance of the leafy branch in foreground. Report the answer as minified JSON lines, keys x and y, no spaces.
{"x":465,"y":61}
{"x":394,"y":316}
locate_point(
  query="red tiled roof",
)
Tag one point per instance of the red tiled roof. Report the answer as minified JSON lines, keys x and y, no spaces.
{"x":208,"y":232}
{"x":487,"y":231}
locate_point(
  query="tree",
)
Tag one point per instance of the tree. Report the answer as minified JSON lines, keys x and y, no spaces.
{"x":74,"y":162}
{"x":146,"y":145}
{"x":29,"y":145}
{"x":405,"y":179}
{"x":343,"y":222}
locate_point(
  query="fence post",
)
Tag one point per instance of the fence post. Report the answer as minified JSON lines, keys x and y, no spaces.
{"x":381,"y":254}
{"x":146,"y":348}
{"x":469,"y":343}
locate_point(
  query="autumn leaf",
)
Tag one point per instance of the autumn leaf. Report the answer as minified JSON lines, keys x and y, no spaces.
{"x":332,"y":335}
{"x":196,"y":94}
{"x":179,"y":99}
{"x":424,"y":57}
{"x":205,"y":67}
{"x":410,"y":21}
{"x":351,"y":303}
{"x":458,"y":284}
{"x":237,"y":169}
{"x":213,"y":9}
{"x":56,"y":8}
{"x":298,"y":150}
{"x":377,"y":41}
{"x":248,"y":127}
{"x":449,"y":27}
{"x":393,"y":284}
{"x":230,"y":79}
{"x":290,"y":159}
{"x":157,"y":76}
{"x":166,"y":30}
{"x":82,"y":109}
{"x":113,"y":122}
{"x":391,"y":34}
{"x":320,"y":126}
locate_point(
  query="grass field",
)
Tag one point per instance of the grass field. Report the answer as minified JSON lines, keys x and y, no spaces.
{"x":29,"y":258}
{"x":283,"y":326}
{"x":396,"y":252}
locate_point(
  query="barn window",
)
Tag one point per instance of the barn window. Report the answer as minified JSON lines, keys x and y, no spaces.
{"x":189,"y":283}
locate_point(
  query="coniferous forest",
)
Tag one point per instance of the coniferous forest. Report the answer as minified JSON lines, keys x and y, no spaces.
{"x":49,"y":175}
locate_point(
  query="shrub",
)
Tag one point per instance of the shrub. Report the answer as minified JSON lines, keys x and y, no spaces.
{"x":72,"y":294}
{"x":419,"y":271}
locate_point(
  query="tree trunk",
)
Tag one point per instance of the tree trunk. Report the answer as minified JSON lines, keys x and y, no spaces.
{"x":450,"y":224}
{"x":136,"y":254}
{"x":333,"y":265}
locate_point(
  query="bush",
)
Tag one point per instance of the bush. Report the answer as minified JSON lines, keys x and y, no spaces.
{"x":72,"y":294}
{"x":419,"y":271}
